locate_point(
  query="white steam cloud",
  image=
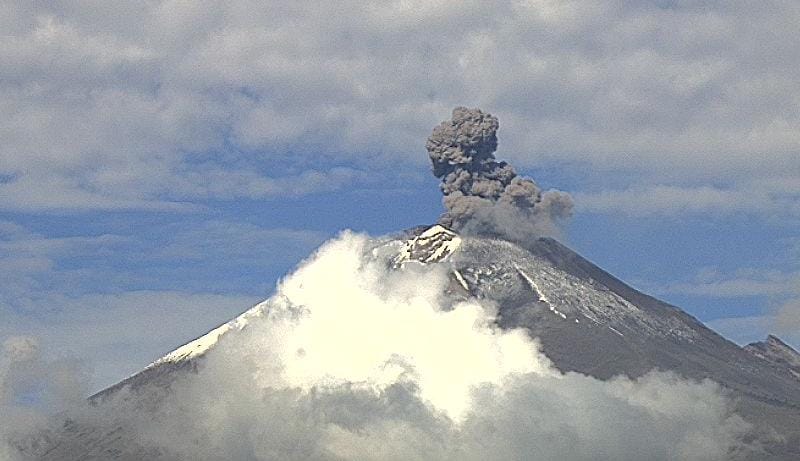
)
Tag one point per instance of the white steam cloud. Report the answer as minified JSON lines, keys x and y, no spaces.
{"x":353,"y":360}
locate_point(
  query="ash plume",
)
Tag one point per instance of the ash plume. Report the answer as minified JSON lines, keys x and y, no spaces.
{"x":483,"y":195}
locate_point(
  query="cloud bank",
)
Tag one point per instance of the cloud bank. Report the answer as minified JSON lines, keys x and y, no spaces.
{"x":353,"y":360}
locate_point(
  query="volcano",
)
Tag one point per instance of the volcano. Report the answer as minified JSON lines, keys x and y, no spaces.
{"x":586,"y":321}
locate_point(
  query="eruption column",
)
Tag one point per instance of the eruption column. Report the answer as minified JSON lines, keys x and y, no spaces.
{"x":483,"y":195}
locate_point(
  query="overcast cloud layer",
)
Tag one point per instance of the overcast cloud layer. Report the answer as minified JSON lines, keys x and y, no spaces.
{"x":120,"y":106}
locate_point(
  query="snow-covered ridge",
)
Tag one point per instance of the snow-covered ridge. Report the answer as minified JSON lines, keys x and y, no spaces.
{"x":493,"y":267}
{"x":432,"y":246}
{"x":204,"y":343}
{"x":486,"y":267}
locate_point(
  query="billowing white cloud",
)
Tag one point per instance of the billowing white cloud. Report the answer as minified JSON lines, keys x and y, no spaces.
{"x":120,"y":107}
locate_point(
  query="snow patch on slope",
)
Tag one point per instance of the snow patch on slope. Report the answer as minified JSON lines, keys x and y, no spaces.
{"x":461,"y":280}
{"x":538,"y":291}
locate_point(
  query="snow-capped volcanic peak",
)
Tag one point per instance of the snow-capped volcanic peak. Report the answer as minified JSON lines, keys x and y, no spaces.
{"x":433,"y":245}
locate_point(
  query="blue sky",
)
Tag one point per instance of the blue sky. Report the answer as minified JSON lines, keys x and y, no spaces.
{"x":161,"y":166}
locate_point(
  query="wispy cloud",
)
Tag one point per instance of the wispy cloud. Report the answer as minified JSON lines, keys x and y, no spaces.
{"x":784,"y":321}
{"x":777,"y":294}
{"x":744,"y":282}
{"x":787,"y":319}
{"x":779,"y":199}
{"x":180,"y":254}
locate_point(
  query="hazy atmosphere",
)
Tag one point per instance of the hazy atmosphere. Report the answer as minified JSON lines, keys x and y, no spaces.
{"x":163,"y":165}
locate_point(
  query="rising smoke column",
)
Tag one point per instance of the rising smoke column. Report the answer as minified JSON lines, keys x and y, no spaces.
{"x":483,"y":195}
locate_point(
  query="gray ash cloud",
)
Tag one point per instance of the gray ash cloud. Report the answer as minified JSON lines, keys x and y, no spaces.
{"x":483,"y":195}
